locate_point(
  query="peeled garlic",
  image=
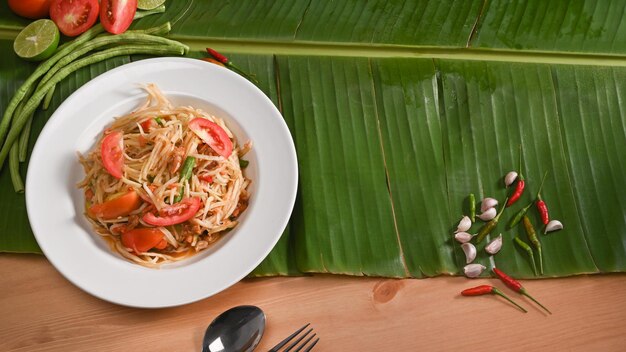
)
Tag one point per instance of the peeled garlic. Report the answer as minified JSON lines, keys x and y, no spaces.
{"x":470,"y":252}
{"x":510,"y":178}
{"x":488,"y":215}
{"x":464,"y":224}
{"x":463,"y":237}
{"x":488,"y":203}
{"x":553,"y":225}
{"x":473,"y":270}
{"x":494,"y":246}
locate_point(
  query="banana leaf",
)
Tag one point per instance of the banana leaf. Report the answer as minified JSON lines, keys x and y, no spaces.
{"x":400,"y":109}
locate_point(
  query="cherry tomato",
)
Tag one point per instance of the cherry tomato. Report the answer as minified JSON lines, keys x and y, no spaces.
{"x":141,"y":240}
{"x":117,"y":15}
{"x":120,"y":206}
{"x":213,"y":135}
{"x":73,"y":17}
{"x":174,"y":214}
{"x":33,"y":9}
{"x":112,"y":154}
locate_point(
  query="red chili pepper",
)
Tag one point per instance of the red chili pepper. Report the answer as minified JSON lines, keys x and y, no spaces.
{"x":486,"y":289}
{"x":543,"y":211}
{"x":219,"y":57}
{"x":515,"y":286}
{"x":224,"y":60}
{"x":519,"y":187}
{"x":541,"y":205}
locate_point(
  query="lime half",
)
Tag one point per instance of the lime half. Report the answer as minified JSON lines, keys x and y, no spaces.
{"x":37,"y":41}
{"x":149,"y":4}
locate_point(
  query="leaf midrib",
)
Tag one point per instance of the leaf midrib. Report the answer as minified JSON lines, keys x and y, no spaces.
{"x":312,"y":48}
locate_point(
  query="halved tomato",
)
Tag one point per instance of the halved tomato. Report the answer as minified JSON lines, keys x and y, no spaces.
{"x":174,"y":214}
{"x":73,"y":17}
{"x":117,"y":15}
{"x":144,"y":239}
{"x":213,"y":135}
{"x":112,"y":153}
{"x":120,"y":206}
{"x":147,"y":125}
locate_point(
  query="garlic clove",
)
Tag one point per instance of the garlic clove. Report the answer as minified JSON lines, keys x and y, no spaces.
{"x":553,"y":225}
{"x":510,"y":178}
{"x":488,"y":215}
{"x":464,"y":224}
{"x":470,"y":252}
{"x":494,"y":246}
{"x":488,"y":203}
{"x":463,"y":237}
{"x":473,"y":270}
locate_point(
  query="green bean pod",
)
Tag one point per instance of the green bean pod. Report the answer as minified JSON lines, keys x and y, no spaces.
{"x":148,"y":36}
{"x":523,"y":245}
{"x":14,"y":169}
{"x":185,"y":174}
{"x":532,"y":236}
{"x":38,"y":96}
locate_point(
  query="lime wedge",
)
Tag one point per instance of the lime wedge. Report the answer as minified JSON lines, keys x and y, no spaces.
{"x":149,"y":4}
{"x":37,"y":41}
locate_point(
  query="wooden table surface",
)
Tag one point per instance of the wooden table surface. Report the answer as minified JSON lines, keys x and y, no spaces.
{"x":41,"y":311}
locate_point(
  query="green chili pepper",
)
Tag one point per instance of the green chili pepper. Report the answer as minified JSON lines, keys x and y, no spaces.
{"x":185,"y":174}
{"x":488,"y":227}
{"x":523,"y":245}
{"x":243,"y":163}
{"x":472,"y":207}
{"x":159,"y":121}
{"x":520,"y":214}
{"x":532,"y":236}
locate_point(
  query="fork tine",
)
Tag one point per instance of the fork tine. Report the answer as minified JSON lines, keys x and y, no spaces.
{"x":304,"y":344}
{"x":297,"y":341}
{"x":313,"y":344}
{"x":284,"y":342}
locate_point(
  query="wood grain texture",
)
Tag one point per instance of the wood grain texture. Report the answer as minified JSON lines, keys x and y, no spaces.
{"x":41,"y":311}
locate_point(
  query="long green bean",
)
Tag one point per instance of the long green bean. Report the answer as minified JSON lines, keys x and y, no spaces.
{"x":23,"y":141}
{"x":36,"y":98}
{"x":136,"y":37}
{"x":14,"y":169}
{"x":61,"y":52}
{"x":48,"y":98}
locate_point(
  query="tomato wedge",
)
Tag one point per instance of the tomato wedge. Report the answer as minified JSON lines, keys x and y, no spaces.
{"x":141,"y":240}
{"x":213,"y":135}
{"x":174,"y":214}
{"x":73,"y":17}
{"x":112,"y":155}
{"x":120,"y":206}
{"x":117,"y":15}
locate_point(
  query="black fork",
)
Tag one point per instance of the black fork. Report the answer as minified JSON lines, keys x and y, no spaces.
{"x":307,"y":347}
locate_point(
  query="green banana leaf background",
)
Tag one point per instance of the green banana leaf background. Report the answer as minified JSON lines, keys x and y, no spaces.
{"x":399,"y":110}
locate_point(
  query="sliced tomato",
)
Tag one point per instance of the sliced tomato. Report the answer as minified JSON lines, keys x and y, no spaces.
{"x":141,"y":240}
{"x":120,"y":206}
{"x":117,"y":15}
{"x":112,"y":154}
{"x":73,"y":17}
{"x":147,"y":125}
{"x":174,"y":214}
{"x":213,"y":135}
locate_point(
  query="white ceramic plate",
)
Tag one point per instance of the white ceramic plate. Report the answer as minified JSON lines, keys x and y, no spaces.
{"x":55,"y":206}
